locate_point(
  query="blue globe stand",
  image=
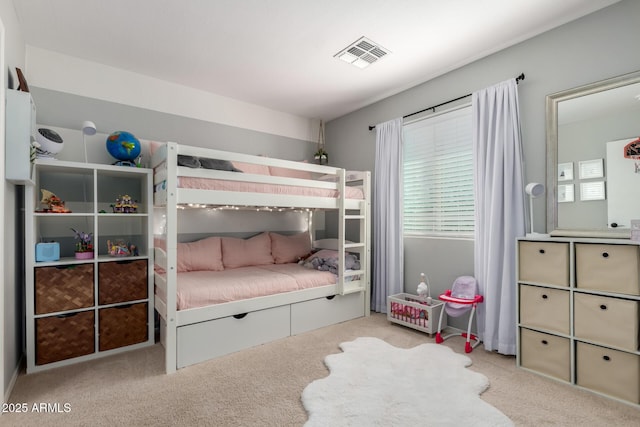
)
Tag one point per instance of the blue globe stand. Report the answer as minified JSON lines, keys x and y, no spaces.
{"x":125,"y":163}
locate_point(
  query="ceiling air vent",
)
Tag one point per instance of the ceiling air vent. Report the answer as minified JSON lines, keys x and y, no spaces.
{"x":362,"y":53}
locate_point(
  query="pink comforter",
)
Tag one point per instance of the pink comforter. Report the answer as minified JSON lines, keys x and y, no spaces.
{"x":203,"y":288}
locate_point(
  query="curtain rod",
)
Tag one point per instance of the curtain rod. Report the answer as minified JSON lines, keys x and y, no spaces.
{"x":518,"y":80}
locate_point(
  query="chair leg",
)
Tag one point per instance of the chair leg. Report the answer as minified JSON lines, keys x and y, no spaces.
{"x":467,"y":347}
{"x":439,"y":338}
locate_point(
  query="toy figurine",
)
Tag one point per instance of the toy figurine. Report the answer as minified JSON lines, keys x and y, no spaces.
{"x":124,"y":204}
{"x":117,"y":248}
{"x":52,"y":202}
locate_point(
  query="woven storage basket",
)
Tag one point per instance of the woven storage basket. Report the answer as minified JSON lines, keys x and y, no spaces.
{"x":122,"y":281}
{"x":65,"y":336}
{"x":63,"y":288}
{"x":123,"y":325}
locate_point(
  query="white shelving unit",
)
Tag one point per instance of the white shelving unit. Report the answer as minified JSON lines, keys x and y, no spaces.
{"x":76,"y":309}
{"x":579,"y":313}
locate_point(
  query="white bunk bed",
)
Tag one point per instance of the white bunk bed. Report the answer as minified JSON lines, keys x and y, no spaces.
{"x":197,"y":334}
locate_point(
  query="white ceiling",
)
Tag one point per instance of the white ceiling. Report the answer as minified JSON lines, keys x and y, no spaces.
{"x":279,"y":54}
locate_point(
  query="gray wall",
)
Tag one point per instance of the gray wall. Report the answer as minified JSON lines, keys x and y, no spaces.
{"x":598,"y":46}
{"x":64,"y":110}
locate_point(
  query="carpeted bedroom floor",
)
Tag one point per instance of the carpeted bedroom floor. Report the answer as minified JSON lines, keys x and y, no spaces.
{"x":262,"y":386}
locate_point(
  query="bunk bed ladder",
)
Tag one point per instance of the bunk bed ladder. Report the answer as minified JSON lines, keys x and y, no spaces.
{"x":171,"y":320}
{"x":354,"y":280}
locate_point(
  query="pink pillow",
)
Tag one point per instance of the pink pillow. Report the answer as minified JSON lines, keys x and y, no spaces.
{"x":289,"y":173}
{"x":252,"y":168}
{"x":205,"y":254}
{"x":245,"y":252}
{"x":287,"y":249}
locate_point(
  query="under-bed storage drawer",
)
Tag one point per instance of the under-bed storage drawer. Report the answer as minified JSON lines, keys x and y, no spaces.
{"x":213,"y":338}
{"x":320,"y":312}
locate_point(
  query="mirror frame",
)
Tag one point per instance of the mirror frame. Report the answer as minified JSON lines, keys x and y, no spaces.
{"x":552,"y":153}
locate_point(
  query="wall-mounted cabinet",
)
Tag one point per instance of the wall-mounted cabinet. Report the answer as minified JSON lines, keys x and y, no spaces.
{"x":19,"y":134}
{"x":81,"y":308}
{"x":579,"y":313}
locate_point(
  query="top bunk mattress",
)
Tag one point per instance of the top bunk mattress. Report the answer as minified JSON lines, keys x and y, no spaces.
{"x":351,"y":192}
{"x":255,"y":175}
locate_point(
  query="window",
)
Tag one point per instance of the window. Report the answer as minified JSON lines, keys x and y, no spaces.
{"x":438,"y":175}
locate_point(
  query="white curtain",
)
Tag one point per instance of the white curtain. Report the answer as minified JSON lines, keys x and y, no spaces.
{"x":499,"y":210}
{"x":388,"y":274}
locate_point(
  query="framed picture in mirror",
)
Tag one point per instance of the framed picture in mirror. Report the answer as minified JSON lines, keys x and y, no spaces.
{"x":592,"y":190}
{"x":565,"y":171}
{"x":565,"y":193}
{"x":591,"y":169}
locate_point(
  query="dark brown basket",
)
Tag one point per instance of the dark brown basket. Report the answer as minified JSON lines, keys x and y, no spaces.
{"x":64,"y":287}
{"x":64,"y":336}
{"x":122,"y":281}
{"x":123,"y":325}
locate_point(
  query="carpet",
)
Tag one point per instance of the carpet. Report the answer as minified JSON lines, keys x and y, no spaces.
{"x":373,"y":383}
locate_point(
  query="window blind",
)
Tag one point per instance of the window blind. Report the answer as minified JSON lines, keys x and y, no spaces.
{"x":438,"y":175}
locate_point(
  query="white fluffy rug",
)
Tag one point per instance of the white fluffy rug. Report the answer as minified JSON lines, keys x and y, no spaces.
{"x":373,"y":383}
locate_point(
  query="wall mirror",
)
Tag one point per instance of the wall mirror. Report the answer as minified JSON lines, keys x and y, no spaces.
{"x":593,"y":170}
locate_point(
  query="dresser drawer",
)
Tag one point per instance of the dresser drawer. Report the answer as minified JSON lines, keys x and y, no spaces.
{"x":63,"y":288}
{"x":230,"y":334}
{"x":608,"y":371}
{"x":611,"y":268}
{"x":122,"y":281}
{"x":605,"y":320}
{"x":545,"y":353}
{"x":545,"y":308}
{"x":544,"y":262}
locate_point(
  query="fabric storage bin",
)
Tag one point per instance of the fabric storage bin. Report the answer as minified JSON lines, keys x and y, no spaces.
{"x":122,"y":325}
{"x":610,"y":268}
{"x":544,"y":262}
{"x":122,"y":281}
{"x":545,"y":308}
{"x":545,"y":353}
{"x":608,"y":371}
{"x":413,"y":312}
{"x":64,"y":336}
{"x":606,"y":320}
{"x":63,"y":287}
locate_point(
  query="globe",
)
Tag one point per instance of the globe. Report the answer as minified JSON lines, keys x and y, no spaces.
{"x":123,"y":146}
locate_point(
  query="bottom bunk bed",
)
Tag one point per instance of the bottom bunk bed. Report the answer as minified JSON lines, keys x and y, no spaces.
{"x":236,"y":293}
{"x":267,"y":296}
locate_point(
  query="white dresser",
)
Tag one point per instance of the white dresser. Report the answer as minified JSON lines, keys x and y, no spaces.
{"x":578,"y":313}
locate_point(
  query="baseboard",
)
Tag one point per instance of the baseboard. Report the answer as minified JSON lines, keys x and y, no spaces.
{"x":14,"y":378}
